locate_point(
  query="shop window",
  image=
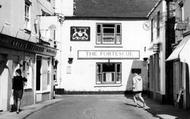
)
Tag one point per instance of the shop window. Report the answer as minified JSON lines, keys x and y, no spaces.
{"x":43,"y":78}
{"x":28,"y":72}
{"x":108,"y":34}
{"x":108,"y":73}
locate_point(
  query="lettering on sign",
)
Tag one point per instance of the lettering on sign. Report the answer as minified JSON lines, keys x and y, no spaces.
{"x":18,"y":44}
{"x":112,"y":54}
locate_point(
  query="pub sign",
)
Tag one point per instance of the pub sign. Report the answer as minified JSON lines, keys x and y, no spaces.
{"x":80,"y":33}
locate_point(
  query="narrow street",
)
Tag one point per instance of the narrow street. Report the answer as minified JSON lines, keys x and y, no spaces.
{"x":93,"y":107}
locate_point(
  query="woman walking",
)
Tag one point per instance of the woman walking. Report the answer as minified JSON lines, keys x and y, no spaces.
{"x":17,"y":89}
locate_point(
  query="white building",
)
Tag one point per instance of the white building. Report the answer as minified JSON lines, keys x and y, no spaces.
{"x":101,"y":44}
{"x":23,"y":46}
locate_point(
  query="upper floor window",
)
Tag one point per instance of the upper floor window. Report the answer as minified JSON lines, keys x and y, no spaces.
{"x":108,"y":34}
{"x":152,"y":27}
{"x":158,"y":23}
{"x":27,"y":15}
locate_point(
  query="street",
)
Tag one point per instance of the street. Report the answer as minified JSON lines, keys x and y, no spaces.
{"x":93,"y":107}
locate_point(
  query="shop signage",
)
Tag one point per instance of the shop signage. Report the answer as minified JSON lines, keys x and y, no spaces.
{"x":108,"y":54}
{"x":18,"y":44}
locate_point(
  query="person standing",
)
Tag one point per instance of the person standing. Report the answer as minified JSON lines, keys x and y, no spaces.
{"x":17,"y":89}
{"x":137,"y":89}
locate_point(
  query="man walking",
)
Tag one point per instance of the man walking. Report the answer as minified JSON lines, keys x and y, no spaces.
{"x":137,"y":89}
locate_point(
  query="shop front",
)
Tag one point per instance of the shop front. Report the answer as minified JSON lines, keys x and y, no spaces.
{"x":181,"y":81}
{"x":16,"y":53}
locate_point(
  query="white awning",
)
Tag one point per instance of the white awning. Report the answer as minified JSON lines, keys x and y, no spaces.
{"x":177,"y":53}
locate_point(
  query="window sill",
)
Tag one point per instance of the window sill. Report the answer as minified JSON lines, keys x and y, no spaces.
{"x":108,"y":85}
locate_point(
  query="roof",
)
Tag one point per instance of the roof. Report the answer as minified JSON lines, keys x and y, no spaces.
{"x":114,"y":8}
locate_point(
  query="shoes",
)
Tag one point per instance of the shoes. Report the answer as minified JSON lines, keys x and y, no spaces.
{"x":17,"y":112}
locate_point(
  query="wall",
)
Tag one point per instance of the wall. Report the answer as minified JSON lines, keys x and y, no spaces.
{"x":81,"y":74}
{"x":160,"y":40}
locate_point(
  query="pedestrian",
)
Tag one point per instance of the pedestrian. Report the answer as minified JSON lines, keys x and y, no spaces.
{"x":137,"y":89}
{"x":17,"y":89}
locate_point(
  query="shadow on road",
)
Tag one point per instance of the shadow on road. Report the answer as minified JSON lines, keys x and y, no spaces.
{"x":161,"y":111}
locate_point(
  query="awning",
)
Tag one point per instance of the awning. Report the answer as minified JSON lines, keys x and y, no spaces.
{"x":176,"y":54}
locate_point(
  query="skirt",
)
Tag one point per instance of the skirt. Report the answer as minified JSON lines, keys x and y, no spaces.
{"x":18,"y":94}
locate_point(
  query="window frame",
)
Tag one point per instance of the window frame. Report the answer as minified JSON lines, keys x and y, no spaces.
{"x":27,"y":15}
{"x":116,"y":35}
{"x":115,"y":73}
{"x":45,"y":71}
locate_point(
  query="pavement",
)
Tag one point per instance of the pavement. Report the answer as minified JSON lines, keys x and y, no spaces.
{"x":156,"y":109}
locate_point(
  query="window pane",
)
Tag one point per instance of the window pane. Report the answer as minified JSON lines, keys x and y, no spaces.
{"x":98,"y":29}
{"x":108,"y":73}
{"x":108,"y":30}
{"x":109,"y":25}
{"x":108,"y":67}
{"x":118,"y":67}
{"x":118,"y":29}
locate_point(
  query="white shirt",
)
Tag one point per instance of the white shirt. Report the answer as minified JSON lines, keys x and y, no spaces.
{"x":137,"y":83}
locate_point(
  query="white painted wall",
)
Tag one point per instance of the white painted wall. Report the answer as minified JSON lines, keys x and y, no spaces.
{"x":65,"y":7}
{"x":82,"y":75}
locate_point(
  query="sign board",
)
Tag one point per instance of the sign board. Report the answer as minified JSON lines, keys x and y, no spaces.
{"x":108,"y":54}
{"x":79,"y":33}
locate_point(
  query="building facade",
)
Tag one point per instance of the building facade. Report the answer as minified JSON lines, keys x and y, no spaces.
{"x":180,"y":55}
{"x":162,"y":36}
{"x":168,"y":67}
{"x":22,"y":46}
{"x":101,"y":50}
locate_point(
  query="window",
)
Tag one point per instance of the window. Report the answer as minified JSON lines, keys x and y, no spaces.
{"x":27,"y":15}
{"x":108,"y":73}
{"x":28,"y":70}
{"x":152,"y":28}
{"x":108,"y":34}
{"x":43,"y":73}
{"x":158,"y":23}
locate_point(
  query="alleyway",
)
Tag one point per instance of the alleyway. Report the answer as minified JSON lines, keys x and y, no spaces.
{"x":93,"y":107}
